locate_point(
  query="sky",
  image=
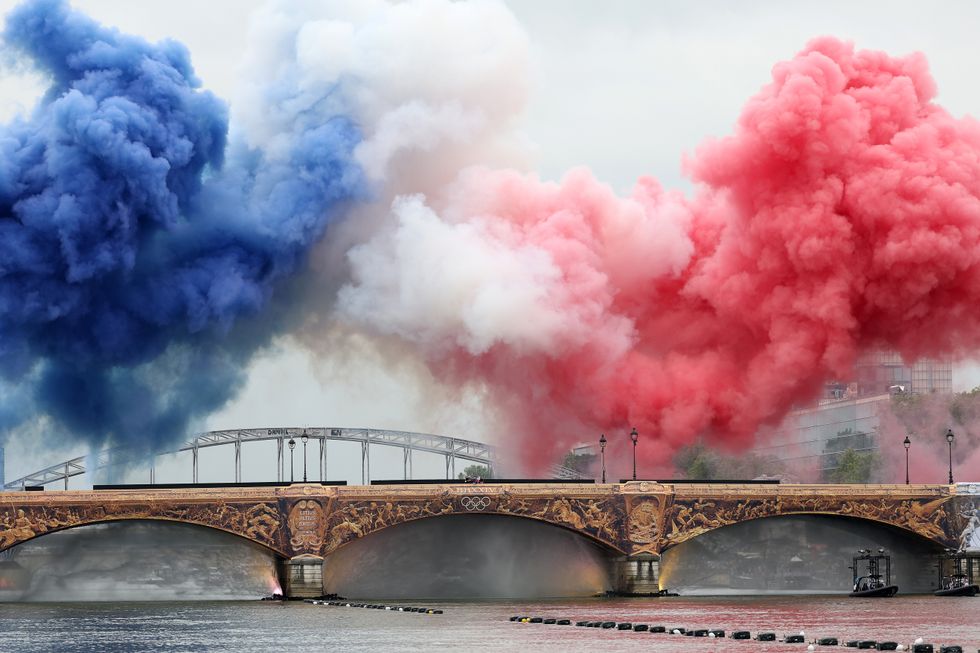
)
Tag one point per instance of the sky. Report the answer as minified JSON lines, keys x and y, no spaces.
{"x":625,"y":88}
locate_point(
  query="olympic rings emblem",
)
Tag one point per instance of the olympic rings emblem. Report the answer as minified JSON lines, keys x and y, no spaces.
{"x":475,"y":503}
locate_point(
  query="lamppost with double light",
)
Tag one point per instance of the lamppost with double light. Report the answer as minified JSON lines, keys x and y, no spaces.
{"x":949,"y":439}
{"x":292,"y":445}
{"x":305,"y":439}
{"x":602,"y":455}
{"x":634,"y":436}
{"x":907,"y":443}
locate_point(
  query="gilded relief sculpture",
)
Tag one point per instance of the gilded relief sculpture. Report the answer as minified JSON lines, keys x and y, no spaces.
{"x":628,"y":519}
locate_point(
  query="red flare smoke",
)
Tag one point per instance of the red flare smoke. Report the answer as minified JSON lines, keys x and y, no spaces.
{"x":842,"y":214}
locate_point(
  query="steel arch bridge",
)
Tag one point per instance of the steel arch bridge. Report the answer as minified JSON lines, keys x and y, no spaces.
{"x":450,"y":447}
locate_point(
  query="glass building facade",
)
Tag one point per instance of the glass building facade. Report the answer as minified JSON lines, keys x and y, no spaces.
{"x":884,"y":372}
{"x":847,"y":417}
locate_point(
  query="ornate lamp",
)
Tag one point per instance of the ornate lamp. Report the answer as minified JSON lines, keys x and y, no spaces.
{"x":305,"y":439}
{"x":907,"y":443}
{"x":949,"y":439}
{"x":602,"y":455}
{"x":634,"y":436}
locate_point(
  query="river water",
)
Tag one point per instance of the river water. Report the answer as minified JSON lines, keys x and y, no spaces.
{"x":479,"y":626}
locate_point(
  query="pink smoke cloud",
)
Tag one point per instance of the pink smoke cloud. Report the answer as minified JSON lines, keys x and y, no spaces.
{"x":924,"y":420}
{"x":843,"y":213}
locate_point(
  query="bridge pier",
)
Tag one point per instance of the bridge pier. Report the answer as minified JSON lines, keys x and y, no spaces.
{"x":301,"y":577}
{"x":639,"y":574}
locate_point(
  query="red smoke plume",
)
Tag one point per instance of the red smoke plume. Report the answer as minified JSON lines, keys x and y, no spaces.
{"x":842,"y":214}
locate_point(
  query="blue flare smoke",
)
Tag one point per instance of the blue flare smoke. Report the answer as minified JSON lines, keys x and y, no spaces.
{"x":136,"y":264}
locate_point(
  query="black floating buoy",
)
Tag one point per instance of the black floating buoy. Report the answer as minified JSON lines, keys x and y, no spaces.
{"x":595,"y":624}
{"x":716,"y":632}
{"x":550,"y":621}
{"x":624,"y":626}
{"x":867,"y":643}
{"x":512,"y":618}
{"x":741,"y":634}
{"x":608,"y":624}
{"x":953,"y":648}
{"x":794,"y":639}
{"x":701,"y":632}
{"x":582,"y":623}
{"x":641,"y":628}
{"x":852,"y":643}
{"x":563,"y":622}
{"x":536,"y":620}
{"x":922,"y":648}
{"x":828,"y":641}
{"x":677,"y":630}
{"x":658,"y":629}
{"x":887,"y":646}
{"x":766,"y":637}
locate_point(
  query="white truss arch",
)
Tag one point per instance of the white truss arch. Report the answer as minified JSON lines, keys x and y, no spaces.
{"x":449,"y":447}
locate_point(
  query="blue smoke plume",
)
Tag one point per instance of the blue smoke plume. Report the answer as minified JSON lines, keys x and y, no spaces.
{"x":137,"y":266}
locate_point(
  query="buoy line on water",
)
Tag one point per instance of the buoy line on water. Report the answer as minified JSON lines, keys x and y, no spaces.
{"x":374,"y":606}
{"x":918,"y":646}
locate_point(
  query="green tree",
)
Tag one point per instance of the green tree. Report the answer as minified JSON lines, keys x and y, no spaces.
{"x":854,"y":467}
{"x":473,"y":471}
{"x":700,"y":463}
{"x":697,"y":463}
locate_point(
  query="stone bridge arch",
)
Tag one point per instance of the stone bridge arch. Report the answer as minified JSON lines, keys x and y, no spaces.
{"x":600,"y":519}
{"x":637,"y":520}
{"x":928,"y":518}
{"x":258,"y":523}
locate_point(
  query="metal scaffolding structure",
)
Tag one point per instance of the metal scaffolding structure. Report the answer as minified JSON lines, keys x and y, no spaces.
{"x":451,"y":448}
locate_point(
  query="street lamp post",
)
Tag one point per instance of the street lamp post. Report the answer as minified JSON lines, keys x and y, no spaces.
{"x":602,"y":455}
{"x":292,"y":445}
{"x":949,"y":439}
{"x":305,"y":439}
{"x":634,"y":436}
{"x":907,"y":443}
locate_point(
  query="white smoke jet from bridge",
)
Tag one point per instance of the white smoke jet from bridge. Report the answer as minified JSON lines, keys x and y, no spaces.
{"x":468,"y":557}
{"x":141,"y":561}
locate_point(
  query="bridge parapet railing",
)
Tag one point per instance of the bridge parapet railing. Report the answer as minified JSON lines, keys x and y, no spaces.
{"x":783,"y":490}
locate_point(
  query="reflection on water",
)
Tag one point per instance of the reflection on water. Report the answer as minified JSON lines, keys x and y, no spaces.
{"x":459,"y":556}
{"x":474,"y":556}
{"x":247,"y":627}
{"x":795,"y":553}
{"x":136,"y":561}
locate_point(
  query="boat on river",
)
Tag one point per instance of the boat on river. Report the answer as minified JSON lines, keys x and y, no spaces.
{"x":957,"y":585}
{"x":873,"y":584}
{"x":953,"y":580}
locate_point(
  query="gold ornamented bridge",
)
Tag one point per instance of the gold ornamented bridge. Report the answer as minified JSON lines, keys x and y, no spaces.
{"x":304,"y":523}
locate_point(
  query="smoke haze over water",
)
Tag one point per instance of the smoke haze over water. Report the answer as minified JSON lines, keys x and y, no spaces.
{"x":145,"y":561}
{"x":793,"y":554}
{"x":465,"y":557}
